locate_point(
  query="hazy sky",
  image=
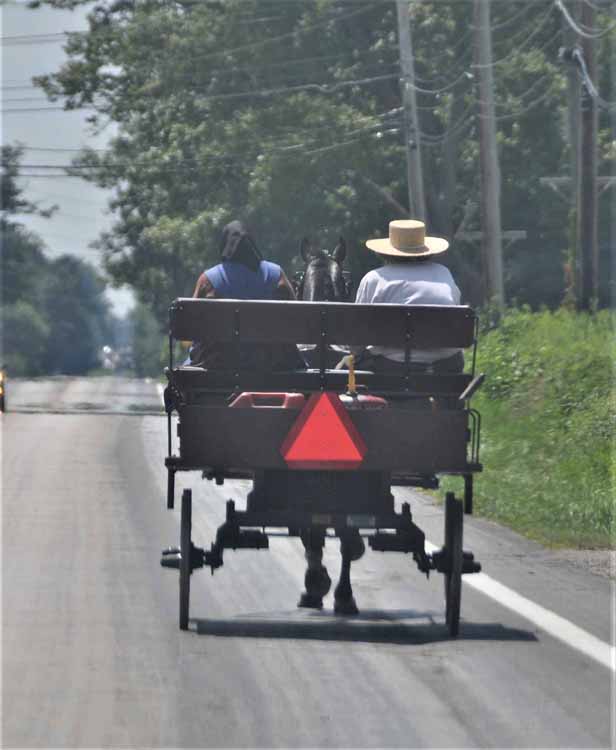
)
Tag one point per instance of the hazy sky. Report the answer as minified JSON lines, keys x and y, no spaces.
{"x":32,"y":45}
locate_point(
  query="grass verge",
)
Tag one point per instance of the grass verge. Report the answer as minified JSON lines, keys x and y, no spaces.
{"x":548,"y":427}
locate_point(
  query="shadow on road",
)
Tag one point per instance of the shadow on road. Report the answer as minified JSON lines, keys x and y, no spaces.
{"x":372,"y":626}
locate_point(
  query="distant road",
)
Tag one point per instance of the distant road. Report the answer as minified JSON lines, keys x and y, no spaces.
{"x":92,"y":653}
{"x":101,"y":395}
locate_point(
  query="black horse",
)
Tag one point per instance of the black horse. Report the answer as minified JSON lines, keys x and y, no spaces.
{"x":324,"y":280}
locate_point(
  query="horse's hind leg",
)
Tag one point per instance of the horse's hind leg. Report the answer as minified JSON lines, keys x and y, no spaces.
{"x":316,"y":580}
{"x":352,"y":547}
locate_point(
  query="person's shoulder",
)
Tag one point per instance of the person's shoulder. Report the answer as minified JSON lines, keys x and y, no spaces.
{"x":271,"y":265}
{"x":374,"y":275}
{"x":271,"y":273}
{"x":270,"y":269}
{"x":439,"y":268}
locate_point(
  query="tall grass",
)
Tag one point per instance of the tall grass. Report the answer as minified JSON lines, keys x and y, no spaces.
{"x":549,"y":426}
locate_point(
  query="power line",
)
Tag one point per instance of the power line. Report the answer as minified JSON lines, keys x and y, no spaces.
{"x":512,"y":39}
{"x":18,"y":110}
{"x":509,"y":21}
{"x":452,"y":52}
{"x":229,"y":159}
{"x":54,"y":149}
{"x":465,"y":74}
{"x":531,"y":89}
{"x":323,"y":87}
{"x":287,"y":35}
{"x":531,"y":106}
{"x":449,"y":133}
{"x":242,"y":68}
{"x":578,"y":56}
{"x":518,"y":47}
{"x":85,"y":169}
{"x":373,"y":121}
{"x":24,"y":99}
{"x":588,"y":34}
{"x":598,"y":8}
{"x":451,"y":130}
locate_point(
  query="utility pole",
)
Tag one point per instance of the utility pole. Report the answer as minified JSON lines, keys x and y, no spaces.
{"x":573,"y":111}
{"x":417,"y":206}
{"x":587,"y":244}
{"x":491,"y":245}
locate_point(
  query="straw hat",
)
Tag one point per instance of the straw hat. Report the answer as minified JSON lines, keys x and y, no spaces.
{"x":407,"y":239}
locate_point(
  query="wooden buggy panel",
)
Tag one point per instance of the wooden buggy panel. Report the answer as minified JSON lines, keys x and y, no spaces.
{"x":397,"y":440}
{"x":419,"y":326}
{"x":423,"y":431}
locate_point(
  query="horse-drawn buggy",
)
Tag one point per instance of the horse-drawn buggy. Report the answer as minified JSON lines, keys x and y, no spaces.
{"x":323,"y":447}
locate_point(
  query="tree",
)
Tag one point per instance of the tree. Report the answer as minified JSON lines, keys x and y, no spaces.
{"x":288,"y":115}
{"x":13,"y":201}
{"x":25,"y":336}
{"x":189,"y":157}
{"x":77,"y":314}
{"x":54,"y":316}
{"x":147,"y":342}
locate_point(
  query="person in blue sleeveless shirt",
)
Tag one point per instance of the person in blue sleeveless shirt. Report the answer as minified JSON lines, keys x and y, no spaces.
{"x":243,"y":274}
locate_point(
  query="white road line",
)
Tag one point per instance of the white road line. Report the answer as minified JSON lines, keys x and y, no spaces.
{"x":161,"y":390}
{"x":548,"y":621}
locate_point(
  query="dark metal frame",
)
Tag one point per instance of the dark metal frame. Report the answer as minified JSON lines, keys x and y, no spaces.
{"x":188,"y":392}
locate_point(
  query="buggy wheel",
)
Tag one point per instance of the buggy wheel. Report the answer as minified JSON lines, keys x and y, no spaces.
{"x":185,"y":561}
{"x":453,"y":546}
{"x":468,"y":494}
{"x":170,"y":488}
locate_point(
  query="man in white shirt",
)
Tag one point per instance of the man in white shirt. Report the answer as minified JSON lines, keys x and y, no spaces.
{"x":409,"y":277}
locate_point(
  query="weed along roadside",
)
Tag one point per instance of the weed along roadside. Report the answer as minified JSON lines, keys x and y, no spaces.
{"x":548,"y":426}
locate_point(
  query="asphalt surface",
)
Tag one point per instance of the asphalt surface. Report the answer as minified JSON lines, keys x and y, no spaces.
{"x":92,"y":655}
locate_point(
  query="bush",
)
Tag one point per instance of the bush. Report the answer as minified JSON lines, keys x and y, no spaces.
{"x":25,"y":336}
{"x":549,"y":425}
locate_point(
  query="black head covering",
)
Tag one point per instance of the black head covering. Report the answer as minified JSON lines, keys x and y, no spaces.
{"x":238,"y":246}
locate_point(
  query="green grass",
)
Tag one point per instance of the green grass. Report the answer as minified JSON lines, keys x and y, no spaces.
{"x":548,"y":427}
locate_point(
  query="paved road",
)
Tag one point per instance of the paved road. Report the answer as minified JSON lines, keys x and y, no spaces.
{"x":92,"y":655}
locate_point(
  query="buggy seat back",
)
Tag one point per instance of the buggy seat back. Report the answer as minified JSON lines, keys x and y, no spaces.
{"x":239,"y":322}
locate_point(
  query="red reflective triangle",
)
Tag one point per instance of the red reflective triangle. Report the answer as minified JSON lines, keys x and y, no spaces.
{"x":323,"y":437}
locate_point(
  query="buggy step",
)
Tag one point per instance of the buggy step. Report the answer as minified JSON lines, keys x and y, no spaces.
{"x":230,"y":536}
{"x":172,"y":557}
{"x":171,"y":561}
{"x":440,"y":562}
{"x":392,"y":543}
{"x":246,"y":539}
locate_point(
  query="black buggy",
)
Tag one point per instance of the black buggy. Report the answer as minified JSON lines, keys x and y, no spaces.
{"x":324,"y":447}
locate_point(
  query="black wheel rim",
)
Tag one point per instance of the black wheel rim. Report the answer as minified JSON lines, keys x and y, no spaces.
{"x":185,"y":545}
{"x":453,"y":578}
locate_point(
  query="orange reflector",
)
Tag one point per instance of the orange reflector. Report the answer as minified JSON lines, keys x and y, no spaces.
{"x":323,"y":437}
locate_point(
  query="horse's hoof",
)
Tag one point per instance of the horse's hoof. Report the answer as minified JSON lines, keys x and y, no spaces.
{"x":345,"y":606}
{"x":310,"y":601}
{"x":317,"y":582}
